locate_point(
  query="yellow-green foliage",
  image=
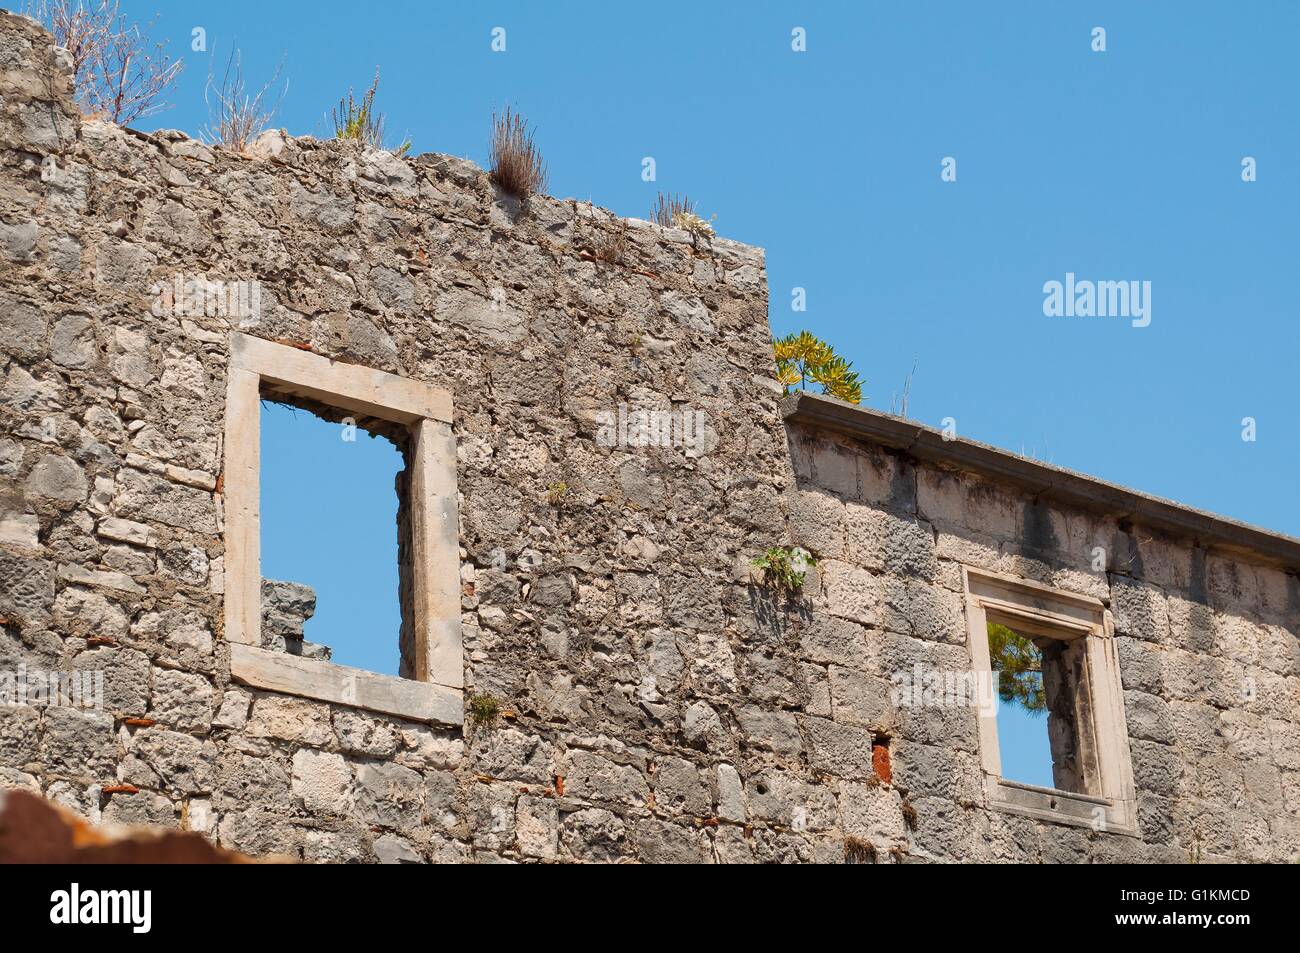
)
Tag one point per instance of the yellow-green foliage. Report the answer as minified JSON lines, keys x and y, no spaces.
{"x":359,"y":121}
{"x":484,"y":710}
{"x":804,"y":358}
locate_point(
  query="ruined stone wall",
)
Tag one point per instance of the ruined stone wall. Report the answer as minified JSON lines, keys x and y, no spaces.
{"x":618,"y":632}
{"x":656,"y":704}
{"x":1208,"y":652}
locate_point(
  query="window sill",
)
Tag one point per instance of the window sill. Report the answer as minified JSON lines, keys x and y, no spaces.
{"x":341,"y":685}
{"x":1061,"y":807}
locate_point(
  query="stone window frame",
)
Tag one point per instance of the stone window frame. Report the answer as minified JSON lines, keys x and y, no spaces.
{"x":435,"y":693}
{"x":1056,"y":613}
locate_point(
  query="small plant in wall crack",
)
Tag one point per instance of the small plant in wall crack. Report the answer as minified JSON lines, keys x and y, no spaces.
{"x":484,"y":710}
{"x":556,"y":492}
{"x":516,"y":162}
{"x":673,"y":211}
{"x":357,"y":120}
{"x":784,"y":567}
{"x":612,"y":245}
{"x":690,"y":222}
{"x":859,"y":851}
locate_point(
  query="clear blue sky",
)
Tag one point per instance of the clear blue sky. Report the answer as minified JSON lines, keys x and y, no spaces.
{"x":335,"y":531}
{"x":1122,"y":165}
{"x":1023,"y":745}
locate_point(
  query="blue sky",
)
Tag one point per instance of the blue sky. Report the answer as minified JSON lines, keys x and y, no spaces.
{"x":335,"y":532}
{"x":1023,"y":745}
{"x":1115,"y":165}
{"x":1122,"y":165}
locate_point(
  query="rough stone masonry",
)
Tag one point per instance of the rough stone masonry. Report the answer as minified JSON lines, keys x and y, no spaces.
{"x":656,"y":703}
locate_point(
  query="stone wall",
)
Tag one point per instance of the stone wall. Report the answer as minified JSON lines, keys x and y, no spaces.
{"x":614,"y":626}
{"x":1209,"y":659}
{"x":655,"y":703}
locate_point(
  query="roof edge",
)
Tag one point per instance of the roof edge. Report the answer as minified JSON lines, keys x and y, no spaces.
{"x":1042,"y":479}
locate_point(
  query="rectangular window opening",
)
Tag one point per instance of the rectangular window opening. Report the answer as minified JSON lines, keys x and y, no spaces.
{"x":1042,"y":713}
{"x":335,"y":535}
{"x":1052,"y":734}
{"x":388,"y":610}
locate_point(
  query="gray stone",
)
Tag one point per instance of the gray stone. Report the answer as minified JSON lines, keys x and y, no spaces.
{"x":78,"y":743}
{"x":126,"y":677}
{"x":142,"y":809}
{"x":512,"y":755}
{"x":181,"y":700}
{"x":233,"y":712}
{"x":594,"y":835}
{"x":26,"y":586}
{"x":731,"y":794}
{"x":20,"y":732}
{"x":389,"y":795}
{"x":18,"y":240}
{"x":57,"y":477}
{"x":322,"y":782}
{"x":658,"y":842}
{"x":594,"y":778}
{"x":679,"y":789}
{"x":537,"y":828}
{"x":841,"y":750}
{"x":73,"y":342}
{"x":182,"y":763}
{"x":366,"y":734}
{"x":775,"y":731}
{"x":391,"y":849}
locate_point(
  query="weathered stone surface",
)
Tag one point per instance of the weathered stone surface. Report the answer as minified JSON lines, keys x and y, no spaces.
{"x":26,"y":586}
{"x":842,"y":750}
{"x":20,"y":733}
{"x":783,"y":799}
{"x":255,"y":778}
{"x":290,"y":719}
{"x":322,"y":782}
{"x":180,"y":763}
{"x":57,"y":477}
{"x":655,"y":703}
{"x":389,"y":795}
{"x":537,"y":828}
{"x":514,"y":756}
{"x":679,"y":789}
{"x":181,"y":700}
{"x":233,"y":712}
{"x":594,"y":836}
{"x":391,"y":849}
{"x":730,"y":794}
{"x":364,"y":733}
{"x":658,"y":842}
{"x":599,"y":780}
{"x":776,"y":731}
{"x":286,"y":606}
{"x":142,"y":808}
{"x":78,"y":743}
